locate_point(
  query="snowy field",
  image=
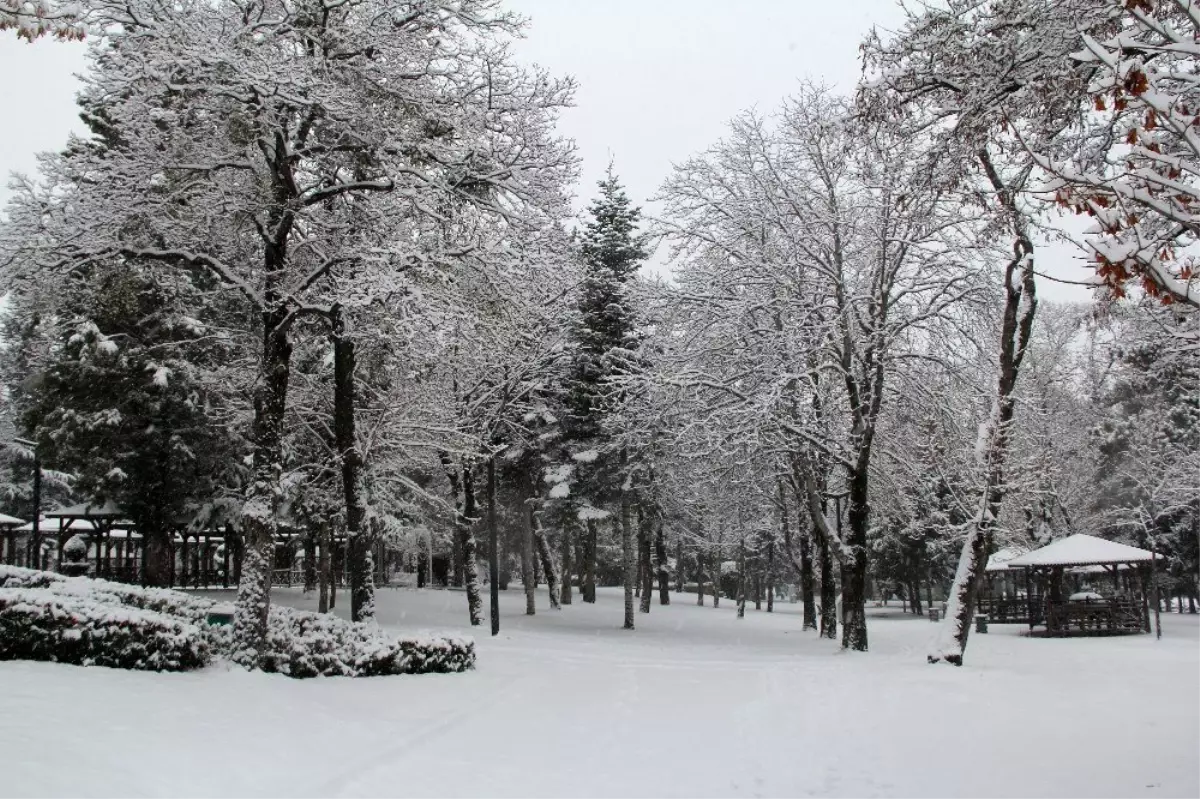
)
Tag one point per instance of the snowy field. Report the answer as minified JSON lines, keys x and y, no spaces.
{"x":693,"y":703}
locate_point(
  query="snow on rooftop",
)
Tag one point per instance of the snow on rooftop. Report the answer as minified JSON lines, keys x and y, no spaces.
{"x":1081,"y":550}
{"x":88,"y":509}
{"x":998,"y":562}
{"x":10,"y":521}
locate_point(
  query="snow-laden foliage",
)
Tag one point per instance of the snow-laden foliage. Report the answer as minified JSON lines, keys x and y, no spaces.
{"x":304,"y":644}
{"x":86,"y":630}
{"x":45,"y":616}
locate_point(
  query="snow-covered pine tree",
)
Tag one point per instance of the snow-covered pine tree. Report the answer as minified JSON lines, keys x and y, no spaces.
{"x":605,"y":339}
{"x":125,"y":408}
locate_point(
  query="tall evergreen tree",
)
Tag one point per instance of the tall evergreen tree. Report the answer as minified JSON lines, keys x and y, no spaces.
{"x":124,"y":407}
{"x":605,"y":342}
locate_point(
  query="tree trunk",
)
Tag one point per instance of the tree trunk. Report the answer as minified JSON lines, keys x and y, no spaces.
{"x":310,"y":562}
{"x":549,"y":569}
{"x":699,"y":580}
{"x":157,"y":557}
{"x":829,"y":620}
{"x":741,"y":597}
{"x":715,"y":573}
{"x":324,"y":568}
{"x":628,"y":563}
{"x":260,"y":513}
{"x":592,"y":538}
{"x":679,"y":566}
{"x":1019,"y":308}
{"x":493,"y":547}
{"x":466,"y":531}
{"x":462,"y":489}
{"x":660,"y":556}
{"x":359,"y":540}
{"x":528,"y":565}
{"x":566,"y":565}
{"x":771,"y":575}
{"x":645,"y":531}
{"x":854,"y":569}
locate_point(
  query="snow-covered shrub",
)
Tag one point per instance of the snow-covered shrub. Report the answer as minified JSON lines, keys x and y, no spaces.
{"x":75,"y":549}
{"x":299,"y":643}
{"x":304,"y":644}
{"x":43,"y":624}
{"x":161,"y":600}
{"x":18,"y":577}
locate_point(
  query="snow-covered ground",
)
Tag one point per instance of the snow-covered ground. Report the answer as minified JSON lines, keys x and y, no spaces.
{"x":692,"y":703}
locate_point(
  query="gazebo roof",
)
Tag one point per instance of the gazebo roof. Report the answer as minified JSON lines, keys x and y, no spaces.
{"x":1082,"y":550}
{"x":1000,"y":559}
{"x":88,"y":510}
{"x":10,"y":521}
{"x":54,"y":526}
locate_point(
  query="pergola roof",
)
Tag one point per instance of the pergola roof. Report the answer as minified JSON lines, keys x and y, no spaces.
{"x":1001,"y":558}
{"x":47,"y":526}
{"x":1082,"y":550}
{"x":10,"y":521}
{"x":88,"y":510}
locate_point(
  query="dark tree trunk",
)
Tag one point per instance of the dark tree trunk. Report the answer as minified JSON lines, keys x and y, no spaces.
{"x":715,"y":573}
{"x":260,"y":512}
{"x":325,"y":569}
{"x":829,"y":620}
{"x":660,"y":555}
{"x":493,"y":548}
{"x":157,"y":556}
{"x":566,"y":565}
{"x":854,"y":571}
{"x":771,"y":575}
{"x":310,"y":563}
{"x":588,"y":589}
{"x":528,"y":562}
{"x":699,"y":580}
{"x":645,"y":531}
{"x":628,"y":562}
{"x":456,"y":553}
{"x":462,"y":489}
{"x":359,"y":540}
{"x":679,"y":566}
{"x":741,"y":597}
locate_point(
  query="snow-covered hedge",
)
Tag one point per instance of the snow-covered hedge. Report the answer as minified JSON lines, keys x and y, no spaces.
{"x":42,"y":624}
{"x":161,"y":600}
{"x":299,"y":643}
{"x":304,"y":644}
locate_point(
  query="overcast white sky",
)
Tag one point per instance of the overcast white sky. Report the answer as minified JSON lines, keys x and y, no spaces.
{"x":658,"y":79}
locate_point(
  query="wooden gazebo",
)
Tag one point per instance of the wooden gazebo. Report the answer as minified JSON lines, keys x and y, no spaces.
{"x":1065,"y":579}
{"x":103,"y":519}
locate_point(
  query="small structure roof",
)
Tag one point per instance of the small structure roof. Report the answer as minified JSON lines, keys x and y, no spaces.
{"x":89,"y":510}
{"x":1000,"y":559}
{"x":47,"y":525}
{"x":10,"y":521}
{"x":1082,"y":550}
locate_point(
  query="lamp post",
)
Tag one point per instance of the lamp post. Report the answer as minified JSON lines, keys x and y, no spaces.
{"x":36,"y":539}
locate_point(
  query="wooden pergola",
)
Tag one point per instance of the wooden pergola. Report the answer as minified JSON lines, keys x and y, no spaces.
{"x":103,"y":520}
{"x":1007,"y":589}
{"x":1076,"y":562}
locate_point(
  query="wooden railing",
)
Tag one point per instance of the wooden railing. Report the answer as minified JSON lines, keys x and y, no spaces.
{"x":1094,"y":617}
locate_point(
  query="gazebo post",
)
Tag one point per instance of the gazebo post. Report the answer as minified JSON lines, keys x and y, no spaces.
{"x":183,"y":561}
{"x":228,"y":539}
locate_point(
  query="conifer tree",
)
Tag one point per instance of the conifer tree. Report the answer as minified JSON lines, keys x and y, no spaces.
{"x":605,"y":341}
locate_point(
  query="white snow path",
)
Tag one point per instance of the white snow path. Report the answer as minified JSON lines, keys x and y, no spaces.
{"x":692,"y":703}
